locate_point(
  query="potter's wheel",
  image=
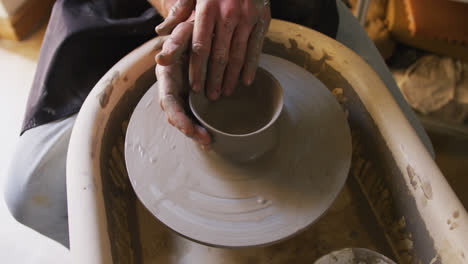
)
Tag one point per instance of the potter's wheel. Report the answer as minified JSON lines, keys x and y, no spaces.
{"x":209,"y":199}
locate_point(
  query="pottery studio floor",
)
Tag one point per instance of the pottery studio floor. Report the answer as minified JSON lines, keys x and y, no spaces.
{"x":19,"y":244}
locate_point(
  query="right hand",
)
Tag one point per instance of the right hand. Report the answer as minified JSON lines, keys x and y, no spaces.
{"x":220,"y":25}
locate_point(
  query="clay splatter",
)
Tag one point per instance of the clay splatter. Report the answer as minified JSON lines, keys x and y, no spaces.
{"x":427,"y":189}
{"x":453,"y":226}
{"x":415,"y":181}
{"x":41,"y":200}
{"x":105,"y":95}
{"x":412,"y":176}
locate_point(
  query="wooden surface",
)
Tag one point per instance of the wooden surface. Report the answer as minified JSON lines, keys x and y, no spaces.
{"x":403,"y":28}
{"x":27,"y":18}
{"x":218,"y":202}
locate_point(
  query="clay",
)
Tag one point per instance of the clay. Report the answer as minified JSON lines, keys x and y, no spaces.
{"x":212,"y":200}
{"x":247,"y":110}
{"x":243,"y":126}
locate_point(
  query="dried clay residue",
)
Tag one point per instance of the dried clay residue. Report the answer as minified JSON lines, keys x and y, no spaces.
{"x":416,"y":181}
{"x":452,"y":221}
{"x":105,"y":95}
{"x":453,"y":226}
{"x":339,"y":95}
{"x":41,"y":200}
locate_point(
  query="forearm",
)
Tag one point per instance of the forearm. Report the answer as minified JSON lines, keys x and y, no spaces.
{"x":162,"y":6}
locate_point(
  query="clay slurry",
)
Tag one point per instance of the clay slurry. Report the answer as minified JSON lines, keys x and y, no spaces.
{"x":247,"y":110}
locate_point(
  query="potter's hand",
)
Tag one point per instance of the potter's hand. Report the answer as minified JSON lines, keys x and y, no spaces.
{"x":229,"y":34}
{"x":173,"y":84}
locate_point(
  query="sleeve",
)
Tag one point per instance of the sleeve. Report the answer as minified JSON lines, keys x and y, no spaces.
{"x":320,"y":15}
{"x":83,"y":40}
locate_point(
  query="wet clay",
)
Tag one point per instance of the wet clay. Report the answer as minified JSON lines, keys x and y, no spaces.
{"x":211,"y":200}
{"x":248,"y":109}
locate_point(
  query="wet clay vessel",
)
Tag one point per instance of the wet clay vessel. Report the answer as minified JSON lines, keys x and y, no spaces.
{"x":211,"y":199}
{"x":243,"y":125}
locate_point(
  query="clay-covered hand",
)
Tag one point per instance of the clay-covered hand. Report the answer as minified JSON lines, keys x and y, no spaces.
{"x":173,"y":84}
{"x":227,"y":41}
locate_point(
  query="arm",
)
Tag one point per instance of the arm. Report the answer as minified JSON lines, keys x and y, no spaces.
{"x":160,"y":5}
{"x":173,"y":11}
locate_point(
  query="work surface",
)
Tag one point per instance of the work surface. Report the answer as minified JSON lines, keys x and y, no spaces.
{"x":19,"y":244}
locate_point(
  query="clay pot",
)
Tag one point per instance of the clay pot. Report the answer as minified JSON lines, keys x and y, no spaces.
{"x":242,"y":125}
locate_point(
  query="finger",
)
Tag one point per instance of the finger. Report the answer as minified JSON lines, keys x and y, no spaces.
{"x":171,"y":101}
{"x":201,"y":136}
{"x":254,"y":48}
{"x":219,"y":54}
{"x":159,"y":42}
{"x":172,"y":104}
{"x":179,"y":12}
{"x":176,"y":115}
{"x":176,"y":44}
{"x":201,"y":46}
{"x":236,"y":57}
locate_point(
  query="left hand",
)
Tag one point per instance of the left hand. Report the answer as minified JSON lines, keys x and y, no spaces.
{"x":173,"y":84}
{"x":220,"y":25}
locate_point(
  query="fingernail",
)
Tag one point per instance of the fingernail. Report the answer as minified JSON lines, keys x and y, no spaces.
{"x":160,"y":27}
{"x":160,"y":58}
{"x":198,"y":141}
{"x":205,"y":147}
{"x":214,"y":94}
{"x":183,"y":131}
{"x":250,"y":81}
{"x":228,"y":92}
{"x":196,"y":87}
